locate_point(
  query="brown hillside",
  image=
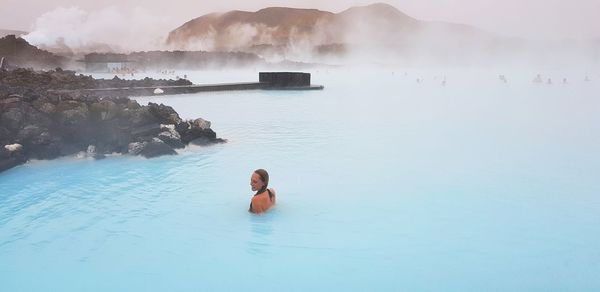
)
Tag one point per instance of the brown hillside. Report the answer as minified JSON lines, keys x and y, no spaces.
{"x":274,"y":25}
{"x":280,"y":32}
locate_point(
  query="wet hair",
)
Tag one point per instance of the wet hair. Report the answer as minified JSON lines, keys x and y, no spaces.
{"x":264,"y":177}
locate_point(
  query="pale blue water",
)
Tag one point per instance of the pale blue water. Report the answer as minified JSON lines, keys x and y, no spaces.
{"x":383,"y":185}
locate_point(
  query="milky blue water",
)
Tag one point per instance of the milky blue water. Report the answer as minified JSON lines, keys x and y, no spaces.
{"x":384,"y":184}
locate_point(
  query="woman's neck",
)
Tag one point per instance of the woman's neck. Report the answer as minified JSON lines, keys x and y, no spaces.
{"x":264,"y":189}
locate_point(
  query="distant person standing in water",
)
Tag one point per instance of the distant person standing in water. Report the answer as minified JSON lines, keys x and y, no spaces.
{"x":264,"y":198}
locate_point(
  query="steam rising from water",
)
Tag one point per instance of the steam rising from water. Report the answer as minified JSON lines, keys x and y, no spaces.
{"x":100,"y":30}
{"x":365,"y":38}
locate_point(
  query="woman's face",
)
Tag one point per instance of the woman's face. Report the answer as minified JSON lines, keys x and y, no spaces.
{"x":255,"y":182}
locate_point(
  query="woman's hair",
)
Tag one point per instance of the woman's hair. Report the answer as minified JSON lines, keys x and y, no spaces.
{"x":264,"y":176}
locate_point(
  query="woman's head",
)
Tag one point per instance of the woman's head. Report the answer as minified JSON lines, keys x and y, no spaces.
{"x":259,"y":180}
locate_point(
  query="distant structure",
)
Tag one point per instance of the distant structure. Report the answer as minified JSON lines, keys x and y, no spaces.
{"x":267,"y":81}
{"x":285,"y":79}
{"x":538,"y":79}
{"x":106,"y":63}
{"x":2,"y":63}
{"x":503,"y":78}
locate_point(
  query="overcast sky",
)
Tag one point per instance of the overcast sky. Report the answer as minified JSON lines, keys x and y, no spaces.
{"x":547,"y":19}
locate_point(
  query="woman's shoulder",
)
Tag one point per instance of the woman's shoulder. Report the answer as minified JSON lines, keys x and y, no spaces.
{"x":265,"y":193}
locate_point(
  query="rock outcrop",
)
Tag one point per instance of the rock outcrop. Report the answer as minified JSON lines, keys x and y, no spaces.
{"x":46,"y":125}
{"x":28,"y":82}
{"x":19,"y":53}
{"x":5,"y":32}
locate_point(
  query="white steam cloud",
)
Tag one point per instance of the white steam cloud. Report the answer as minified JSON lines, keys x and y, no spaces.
{"x":80,"y":30}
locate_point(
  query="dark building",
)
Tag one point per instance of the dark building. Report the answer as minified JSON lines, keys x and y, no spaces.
{"x":285,"y":79}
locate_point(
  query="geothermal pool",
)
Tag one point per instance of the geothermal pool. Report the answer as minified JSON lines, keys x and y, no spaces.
{"x":384,"y":184}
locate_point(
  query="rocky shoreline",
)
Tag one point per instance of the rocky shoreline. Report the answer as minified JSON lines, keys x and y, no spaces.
{"x":37,"y":124}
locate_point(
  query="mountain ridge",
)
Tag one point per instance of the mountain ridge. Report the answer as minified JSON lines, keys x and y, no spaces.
{"x":281,"y":20}
{"x":283,"y":32}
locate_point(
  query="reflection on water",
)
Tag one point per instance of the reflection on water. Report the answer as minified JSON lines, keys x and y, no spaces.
{"x":261,"y":227}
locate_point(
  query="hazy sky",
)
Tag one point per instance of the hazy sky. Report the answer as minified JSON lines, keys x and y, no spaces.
{"x":554,"y":19}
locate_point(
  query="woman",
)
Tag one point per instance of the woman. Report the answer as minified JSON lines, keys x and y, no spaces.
{"x":264,"y":198}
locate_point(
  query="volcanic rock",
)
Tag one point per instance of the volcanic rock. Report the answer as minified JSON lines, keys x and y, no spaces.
{"x":48,"y":124}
